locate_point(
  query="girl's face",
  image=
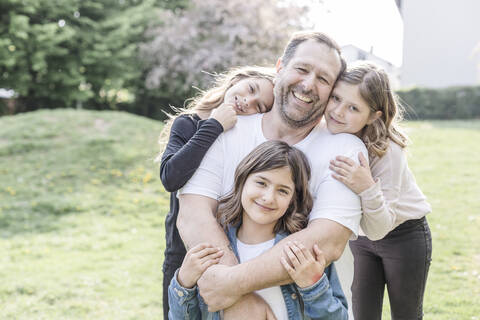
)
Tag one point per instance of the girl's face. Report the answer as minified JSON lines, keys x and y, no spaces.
{"x":346,"y":110}
{"x":250,"y":95}
{"x":266,"y":196}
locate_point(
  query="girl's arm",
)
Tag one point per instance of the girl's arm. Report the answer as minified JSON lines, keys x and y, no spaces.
{"x":183,"y":302}
{"x":319,"y":288}
{"x":182,"y":291}
{"x":380,"y":196}
{"x":185,"y":150}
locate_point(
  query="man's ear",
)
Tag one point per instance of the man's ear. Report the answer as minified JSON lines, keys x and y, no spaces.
{"x":279,"y":65}
{"x":374,"y":116}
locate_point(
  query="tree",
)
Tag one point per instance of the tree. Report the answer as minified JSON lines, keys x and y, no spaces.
{"x":212,"y":36}
{"x":67,"y":53}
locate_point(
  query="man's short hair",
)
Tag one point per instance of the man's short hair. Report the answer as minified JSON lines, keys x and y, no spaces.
{"x":320,"y":37}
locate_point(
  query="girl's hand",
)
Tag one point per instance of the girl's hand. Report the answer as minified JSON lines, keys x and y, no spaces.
{"x":303,"y":268}
{"x":226,"y":115}
{"x":357,"y":177}
{"x":197,"y":260}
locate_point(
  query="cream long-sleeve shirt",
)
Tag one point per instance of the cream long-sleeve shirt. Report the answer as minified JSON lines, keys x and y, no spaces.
{"x":394,"y":198}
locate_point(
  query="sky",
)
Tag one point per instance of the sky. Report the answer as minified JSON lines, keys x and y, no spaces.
{"x":366,"y":24}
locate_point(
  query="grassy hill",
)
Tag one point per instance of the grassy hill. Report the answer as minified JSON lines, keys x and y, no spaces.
{"x":82,"y":211}
{"x":81,"y":216}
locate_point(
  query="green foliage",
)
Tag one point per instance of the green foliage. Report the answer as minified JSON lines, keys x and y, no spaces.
{"x":212,"y":36}
{"x":446,"y":103}
{"x":82,"y":212}
{"x":74,"y":53}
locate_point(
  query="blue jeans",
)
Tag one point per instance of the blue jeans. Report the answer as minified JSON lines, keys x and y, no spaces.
{"x":400,"y":261}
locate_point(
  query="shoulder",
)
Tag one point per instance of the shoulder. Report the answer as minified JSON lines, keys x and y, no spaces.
{"x":184,"y":121}
{"x":245,"y":126}
{"x":337,"y":144}
{"x":248,"y":121}
{"x":394,"y":154}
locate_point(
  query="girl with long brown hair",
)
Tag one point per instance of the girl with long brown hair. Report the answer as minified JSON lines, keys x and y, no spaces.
{"x":269,"y":200}
{"x":396,"y":251}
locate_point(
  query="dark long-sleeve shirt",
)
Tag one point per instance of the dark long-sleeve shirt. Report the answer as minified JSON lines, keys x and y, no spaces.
{"x":190,"y":139}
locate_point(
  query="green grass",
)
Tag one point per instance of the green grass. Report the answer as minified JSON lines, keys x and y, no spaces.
{"x":82,"y":211}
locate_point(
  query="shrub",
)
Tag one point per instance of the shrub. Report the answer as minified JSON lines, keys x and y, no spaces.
{"x":445,"y":103}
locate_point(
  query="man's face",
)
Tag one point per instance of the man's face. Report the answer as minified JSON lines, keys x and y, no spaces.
{"x":303,"y":86}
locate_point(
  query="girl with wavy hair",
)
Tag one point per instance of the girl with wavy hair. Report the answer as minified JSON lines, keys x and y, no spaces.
{"x":269,"y":200}
{"x":187,"y":136}
{"x":396,"y":251}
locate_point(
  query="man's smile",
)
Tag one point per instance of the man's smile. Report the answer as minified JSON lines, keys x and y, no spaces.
{"x":301,"y":97}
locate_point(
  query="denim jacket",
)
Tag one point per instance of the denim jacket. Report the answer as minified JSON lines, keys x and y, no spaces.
{"x":322,"y":300}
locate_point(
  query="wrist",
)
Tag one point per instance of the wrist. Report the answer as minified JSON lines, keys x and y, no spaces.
{"x":184,"y":281}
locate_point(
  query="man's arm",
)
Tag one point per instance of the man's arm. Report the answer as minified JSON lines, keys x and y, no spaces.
{"x":196,"y":223}
{"x":221,"y":285}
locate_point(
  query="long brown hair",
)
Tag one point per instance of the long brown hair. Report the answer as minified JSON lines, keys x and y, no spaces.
{"x":375,"y":89}
{"x":268,"y":156}
{"x":208,"y":100}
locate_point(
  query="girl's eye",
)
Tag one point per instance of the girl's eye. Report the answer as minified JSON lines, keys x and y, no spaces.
{"x":261,"y":183}
{"x":353,"y":108}
{"x":250,"y":88}
{"x":335,"y":98}
{"x":302,"y":70}
{"x":284,"y":192}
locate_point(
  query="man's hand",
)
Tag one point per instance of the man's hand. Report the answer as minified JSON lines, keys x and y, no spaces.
{"x":257,"y":309}
{"x":216,"y":288}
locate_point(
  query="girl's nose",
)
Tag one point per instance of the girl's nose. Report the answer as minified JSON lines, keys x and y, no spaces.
{"x":268,"y":196}
{"x":338,"y":111}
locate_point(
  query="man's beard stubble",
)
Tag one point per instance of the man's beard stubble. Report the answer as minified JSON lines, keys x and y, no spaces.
{"x":314,"y":115}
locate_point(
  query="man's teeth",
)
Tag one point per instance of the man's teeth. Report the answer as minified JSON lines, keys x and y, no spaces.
{"x":303,"y":98}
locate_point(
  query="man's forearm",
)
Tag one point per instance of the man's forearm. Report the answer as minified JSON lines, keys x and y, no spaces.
{"x":267,"y":271}
{"x":196,"y":224}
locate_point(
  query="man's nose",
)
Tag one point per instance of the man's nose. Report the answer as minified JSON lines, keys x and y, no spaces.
{"x":309,"y":82}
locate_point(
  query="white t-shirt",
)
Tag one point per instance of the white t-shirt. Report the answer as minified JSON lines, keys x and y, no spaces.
{"x":332,"y":199}
{"x":273,"y":295}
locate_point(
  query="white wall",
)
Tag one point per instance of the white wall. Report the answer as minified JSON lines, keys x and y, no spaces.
{"x":440,"y":37}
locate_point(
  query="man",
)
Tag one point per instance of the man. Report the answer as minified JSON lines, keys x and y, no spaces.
{"x":306,"y":74}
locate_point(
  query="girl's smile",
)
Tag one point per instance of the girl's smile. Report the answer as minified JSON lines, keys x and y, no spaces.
{"x":265,"y":198}
{"x":347,"y":111}
{"x":250,"y":96}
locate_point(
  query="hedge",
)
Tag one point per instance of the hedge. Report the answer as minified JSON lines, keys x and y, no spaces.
{"x":445,"y":103}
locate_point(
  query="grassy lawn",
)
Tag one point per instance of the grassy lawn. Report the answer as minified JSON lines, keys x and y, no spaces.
{"x":82,"y":211}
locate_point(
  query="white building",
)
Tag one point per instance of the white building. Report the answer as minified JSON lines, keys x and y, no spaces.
{"x":352,"y":53}
{"x":441,"y":45}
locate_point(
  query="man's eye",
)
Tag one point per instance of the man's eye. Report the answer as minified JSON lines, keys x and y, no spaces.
{"x":335,"y":98}
{"x":324,"y":80}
